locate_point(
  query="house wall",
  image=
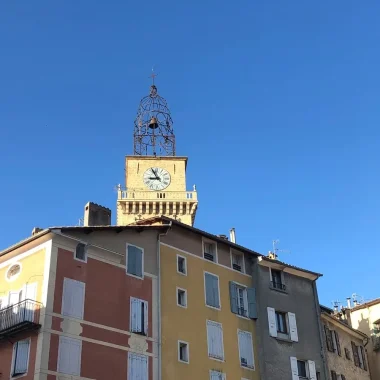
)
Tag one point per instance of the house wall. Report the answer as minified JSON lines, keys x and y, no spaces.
{"x":363,"y":319}
{"x":341,"y":364}
{"x":299,"y":298}
{"x":189,"y":324}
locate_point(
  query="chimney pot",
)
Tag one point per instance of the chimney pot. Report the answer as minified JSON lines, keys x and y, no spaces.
{"x":232,"y":235}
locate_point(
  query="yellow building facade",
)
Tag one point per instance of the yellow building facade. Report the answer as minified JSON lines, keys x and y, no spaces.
{"x":187,"y":324}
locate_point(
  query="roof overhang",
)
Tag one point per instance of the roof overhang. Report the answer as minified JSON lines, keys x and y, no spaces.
{"x":275,"y":264}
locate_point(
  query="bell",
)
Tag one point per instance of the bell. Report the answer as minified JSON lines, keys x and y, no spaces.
{"x":153,"y":124}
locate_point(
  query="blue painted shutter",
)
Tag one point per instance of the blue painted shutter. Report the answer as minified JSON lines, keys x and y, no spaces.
{"x":137,"y":367}
{"x":233,"y":297}
{"x":209,"y":289}
{"x":252,"y":305}
{"x":215,"y":291}
{"x":134,"y":261}
{"x":21,"y":357}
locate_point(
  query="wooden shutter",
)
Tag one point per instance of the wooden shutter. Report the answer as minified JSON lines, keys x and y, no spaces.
{"x":362,"y":350}
{"x":333,"y":375}
{"x":216,"y":375}
{"x":355,"y":353}
{"x":312,"y":371}
{"x":215,"y":340}
{"x":233,"y":297}
{"x":272,"y":321}
{"x":137,"y":367}
{"x":209,"y":289}
{"x":146,"y":317}
{"x":293,"y":327}
{"x":30,"y":295}
{"x":294,"y":368}
{"x":246,"y":349}
{"x":21,"y":357}
{"x":252,"y":305}
{"x":135,"y":263}
{"x":329,"y":342}
{"x":215,"y":291}
{"x":69,"y":355}
{"x":337,"y":343}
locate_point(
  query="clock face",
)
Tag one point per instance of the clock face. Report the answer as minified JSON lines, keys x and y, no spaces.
{"x":156,"y":178}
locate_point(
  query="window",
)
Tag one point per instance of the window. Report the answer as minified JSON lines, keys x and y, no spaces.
{"x":13,"y":272}
{"x":281,"y":322}
{"x":246,"y":349}
{"x":237,"y":261}
{"x":276,"y":279}
{"x":181,"y":297}
{"x":73,"y":298}
{"x":243,"y":300}
{"x":69,"y":356}
{"x":181,"y":265}
{"x":336,"y":342}
{"x":217,"y":375}
{"x":135,"y":261}
{"x":333,"y":375}
{"x":215,"y":340}
{"x":212,"y":290}
{"x":301,"y":366}
{"x":137,"y":366}
{"x":81,"y":252}
{"x":362,"y":356}
{"x":359,"y":356}
{"x":209,"y":250}
{"x":183,"y":352}
{"x":20,"y":359}
{"x":139,"y":316}
{"x":302,"y":369}
{"x":277,"y":324}
{"x":332,"y":341}
{"x":348,"y":353}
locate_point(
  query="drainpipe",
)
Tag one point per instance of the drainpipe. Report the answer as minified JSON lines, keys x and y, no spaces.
{"x":318,"y":311}
{"x":159,"y":300}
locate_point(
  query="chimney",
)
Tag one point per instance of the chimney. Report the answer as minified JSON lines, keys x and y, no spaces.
{"x":96,"y":215}
{"x":36,"y":230}
{"x":232,"y":235}
{"x":355,"y":303}
{"x":224,"y":237}
{"x":349,"y":302}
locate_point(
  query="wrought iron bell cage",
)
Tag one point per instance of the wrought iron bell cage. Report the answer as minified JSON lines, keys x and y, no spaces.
{"x":153,"y":130}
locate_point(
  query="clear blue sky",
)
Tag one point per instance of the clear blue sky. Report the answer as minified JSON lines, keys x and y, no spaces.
{"x":276,"y":104}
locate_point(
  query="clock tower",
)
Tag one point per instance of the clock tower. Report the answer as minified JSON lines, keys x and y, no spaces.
{"x":155,"y":177}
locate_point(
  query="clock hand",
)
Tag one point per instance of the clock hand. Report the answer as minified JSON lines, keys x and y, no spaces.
{"x":155,"y":173}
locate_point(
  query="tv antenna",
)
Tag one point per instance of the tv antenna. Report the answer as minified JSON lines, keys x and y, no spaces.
{"x":274,"y":254}
{"x":336,"y":305}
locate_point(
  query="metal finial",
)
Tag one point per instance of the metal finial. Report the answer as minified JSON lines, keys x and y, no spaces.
{"x":153,"y":75}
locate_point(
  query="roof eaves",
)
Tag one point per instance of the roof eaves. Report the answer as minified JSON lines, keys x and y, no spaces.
{"x":332,"y":318}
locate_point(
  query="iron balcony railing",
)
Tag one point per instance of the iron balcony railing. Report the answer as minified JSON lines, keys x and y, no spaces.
{"x":20,"y":316}
{"x":278,"y":285}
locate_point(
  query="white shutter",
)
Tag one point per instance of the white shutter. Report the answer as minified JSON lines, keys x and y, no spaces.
{"x":73,"y":298}
{"x":21,"y":357}
{"x":69,"y":355}
{"x":136,"y":323}
{"x":137,"y":367}
{"x":246,"y":349}
{"x":216,"y":375}
{"x":215,"y":340}
{"x":293,"y":327}
{"x":272,"y":321}
{"x":30,"y":296}
{"x":312,"y":371}
{"x":294,"y":367}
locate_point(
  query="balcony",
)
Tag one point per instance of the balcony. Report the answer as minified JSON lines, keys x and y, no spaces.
{"x":185,"y":196}
{"x":21,"y":316}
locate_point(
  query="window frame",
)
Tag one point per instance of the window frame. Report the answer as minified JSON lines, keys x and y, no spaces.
{"x":205,"y":290}
{"x":146,"y":317}
{"x":61,"y":338}
{"x":306,"y":369}
{"x":13,"y":362}
{"x":142,"y":261}
{"x":66,"y":314}
{"x":214,"y":243}
{"x":185,"y":265}
{"x":237,"y":253}
{"x":179,"y":342}
{"x":245,"y":300}
{"x":136,"y":354}
{"x":283,"y":285}
{"x":185,"y":291}
{"x":85,"y":252}
{"x":212,"y":371}
{"x":286,"y":320}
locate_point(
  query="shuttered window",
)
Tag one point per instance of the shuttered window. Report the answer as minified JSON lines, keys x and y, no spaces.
{"x":215,"y":340}
{"x":329,"y":340}
{"x":81,"y":252}
{"x":243,"y":300}
{"x":216,"y":375}
{"x":246,"y":349}
{"x":337,"y":342}
{"x":73,"y":298}
{"x":355,"y":353}
{"x":135,"y":260}
{"x":139,"y":316}
{"x":137,"y":367}
{"x":303,"y":369}
{"x":20,"y":357}
{"x":274,"y":327}
{"x":364,"y":361}
{"x":69,"y":355}
{"x":212,"y":290}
